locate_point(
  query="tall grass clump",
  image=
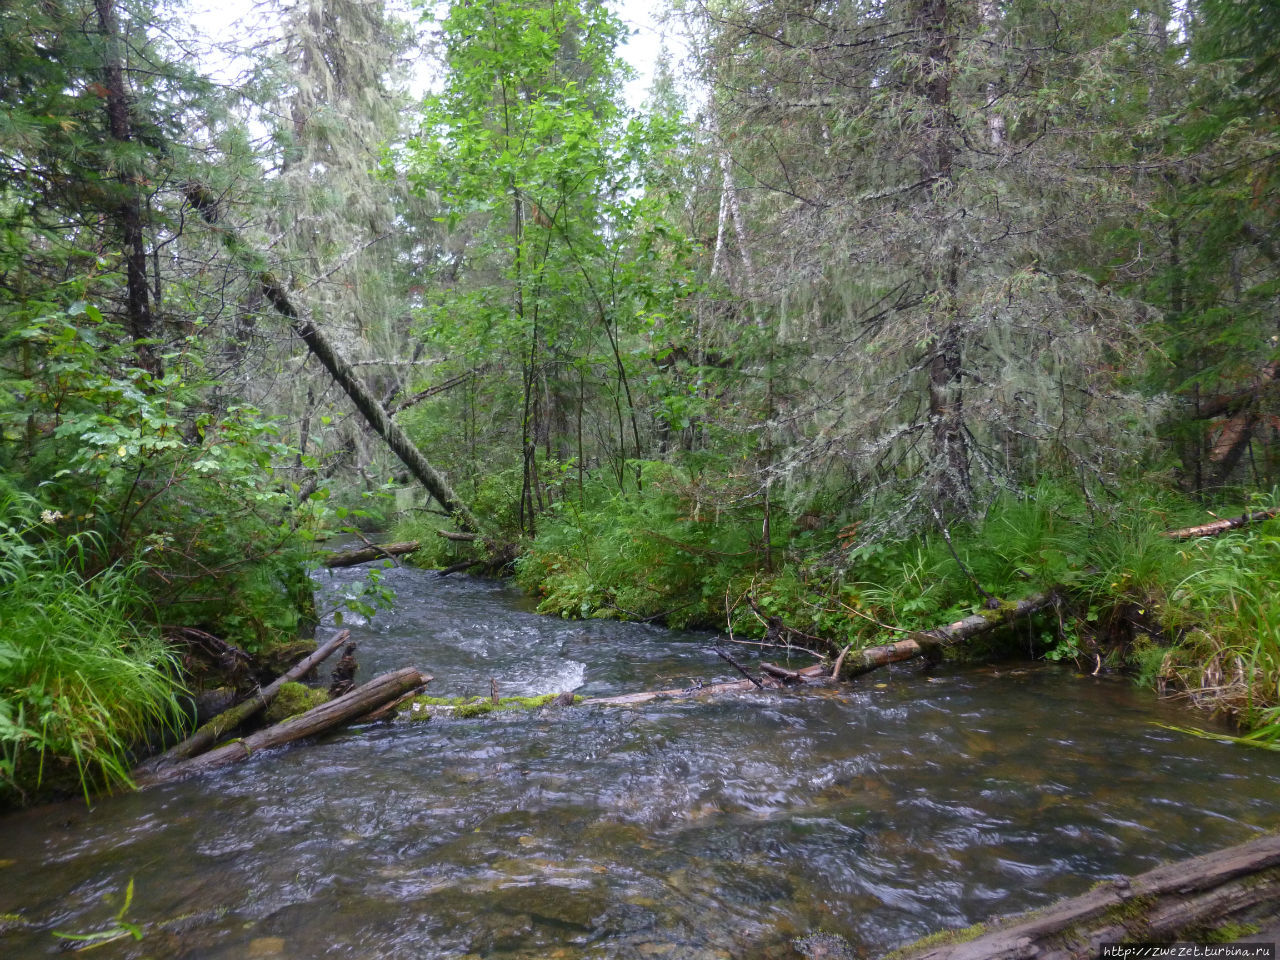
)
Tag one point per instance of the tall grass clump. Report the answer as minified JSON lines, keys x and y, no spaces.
{"x":665,"y":552}
{"x":1227,"y":605}
{"x":81,"y":683}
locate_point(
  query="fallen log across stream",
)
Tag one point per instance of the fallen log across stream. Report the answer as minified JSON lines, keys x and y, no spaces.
{"x":209,"y":733}
{"x":360,"y":702}
{"x":815,"y":673}
{"x":350,"y":558}
{"x":1188,"y":901}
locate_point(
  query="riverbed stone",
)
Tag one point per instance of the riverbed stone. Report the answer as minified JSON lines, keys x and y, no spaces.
{"x":266,"y":947}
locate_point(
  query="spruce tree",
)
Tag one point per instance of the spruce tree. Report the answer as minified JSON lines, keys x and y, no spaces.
{"x":923,"y":175}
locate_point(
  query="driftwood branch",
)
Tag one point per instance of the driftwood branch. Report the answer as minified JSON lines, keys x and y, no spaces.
{"x":782,"y":673}
{"x":1222,"y":526}
{"x":390,"y":707}
{"x":739,"y":667}
{"x":1172,"y":902}
{"x":354,"y":705}
{"x":209,"y":734}
{"x":807,"y":674}
{"x":350,"y":558}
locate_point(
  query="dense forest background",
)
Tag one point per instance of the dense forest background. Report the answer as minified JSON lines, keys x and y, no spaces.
{"x":875,"y":314}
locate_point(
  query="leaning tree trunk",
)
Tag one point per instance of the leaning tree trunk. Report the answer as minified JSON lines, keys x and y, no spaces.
{"x":342,"y":372}
{"x":1183,"y":900}
{"x":372,"y":552}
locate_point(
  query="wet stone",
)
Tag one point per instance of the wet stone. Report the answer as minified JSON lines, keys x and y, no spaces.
{"x":824,"y":946}
{"x":266,"y":947}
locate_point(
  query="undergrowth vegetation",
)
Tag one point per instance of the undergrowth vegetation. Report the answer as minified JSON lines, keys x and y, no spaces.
{"x":81,"y":679}
{"x":128,"y":503}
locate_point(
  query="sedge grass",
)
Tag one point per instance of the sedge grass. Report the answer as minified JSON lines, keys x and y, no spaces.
{"x":80,"y":682}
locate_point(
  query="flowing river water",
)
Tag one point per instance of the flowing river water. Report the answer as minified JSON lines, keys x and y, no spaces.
{"x":689,"y":829}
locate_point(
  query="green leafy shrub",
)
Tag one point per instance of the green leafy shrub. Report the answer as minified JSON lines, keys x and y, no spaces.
{"x":156,"y":471}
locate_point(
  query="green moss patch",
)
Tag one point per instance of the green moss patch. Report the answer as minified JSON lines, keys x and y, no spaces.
{"x":293,"y":699}
{"x":940,"y":938}
{"x":421,"y":708}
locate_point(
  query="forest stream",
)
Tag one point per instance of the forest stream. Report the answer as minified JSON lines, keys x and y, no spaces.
{"x":693,"y":829}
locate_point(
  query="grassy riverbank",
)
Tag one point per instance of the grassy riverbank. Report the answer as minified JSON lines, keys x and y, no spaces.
{"x":82,"y":679}
{"x":1197,"y":618}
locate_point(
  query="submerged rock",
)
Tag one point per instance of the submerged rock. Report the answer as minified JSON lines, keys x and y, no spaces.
{"x":824,"y":946}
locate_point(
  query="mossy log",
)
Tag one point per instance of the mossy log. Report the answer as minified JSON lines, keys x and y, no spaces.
{"x":209,"y":734}
{"x":854,"y":663}
{"x":1193,"y":900}
{"x":350,"y":558}
{"x":353,"y":706}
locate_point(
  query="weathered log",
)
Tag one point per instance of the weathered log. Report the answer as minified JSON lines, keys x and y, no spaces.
{"x":921,"y":643}
{"x":350,"y":558}
{"x":697,"y":690}
{"x":456,"y":536}
{"x":208,"y":734}
{"x":1222,"y":526}
{"x":782,"y":673}
{"x":458,"y":567}
{"x":354,"y":705}
{"x":1177,"y":901}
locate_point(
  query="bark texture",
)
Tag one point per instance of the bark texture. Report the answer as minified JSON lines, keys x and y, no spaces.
{"x":377,"y":552}
{"x":129,"y":213}
{"x":1222,"y":526}
{"x":858,"y":662}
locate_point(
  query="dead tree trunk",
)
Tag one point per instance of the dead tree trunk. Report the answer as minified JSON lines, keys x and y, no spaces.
{"x":1178,"y":901}
{"x":228,"y":720}
{"x":774,"y":678}
{"x":351,"y":557}
{"x":1222,"y":526}
{"x":356,"y":704}
{"x":342,"y":372}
